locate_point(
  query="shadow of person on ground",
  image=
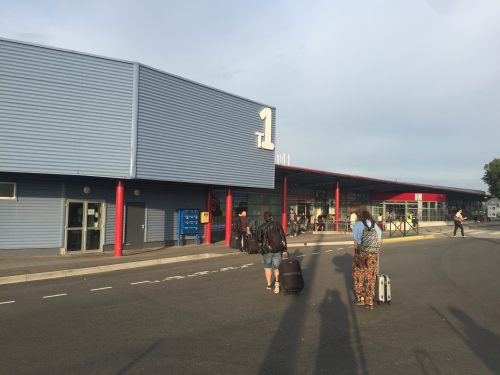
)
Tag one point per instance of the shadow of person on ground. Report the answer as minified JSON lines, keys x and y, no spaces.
{"x":343,"y":265}
{"x":335,"y":352}
{"x":481,"y":341}
{"x":284,"y":347}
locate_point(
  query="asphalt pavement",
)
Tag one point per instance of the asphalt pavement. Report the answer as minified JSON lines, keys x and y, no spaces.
{"x":214,"y":316}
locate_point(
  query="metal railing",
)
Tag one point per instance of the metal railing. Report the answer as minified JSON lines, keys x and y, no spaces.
{"x":403,"y":226}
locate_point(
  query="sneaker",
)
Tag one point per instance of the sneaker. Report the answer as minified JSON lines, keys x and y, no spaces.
{"x":268,"y":287}
{"x":454,"y":236}
{"x":276,"y":287}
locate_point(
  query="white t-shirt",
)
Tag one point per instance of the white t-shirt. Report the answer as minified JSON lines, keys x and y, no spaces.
{"x":354,"y":217}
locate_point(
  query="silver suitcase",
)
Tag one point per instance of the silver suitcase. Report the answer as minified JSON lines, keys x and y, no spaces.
{"x":383,"y":287}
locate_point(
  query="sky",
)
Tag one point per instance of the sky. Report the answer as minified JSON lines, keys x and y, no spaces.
{"x":390,"y":89}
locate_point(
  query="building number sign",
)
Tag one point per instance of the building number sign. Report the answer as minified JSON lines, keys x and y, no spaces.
{"x":264,"y":139}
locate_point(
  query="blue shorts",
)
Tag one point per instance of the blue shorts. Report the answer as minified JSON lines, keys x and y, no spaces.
{"x":271,"y":260}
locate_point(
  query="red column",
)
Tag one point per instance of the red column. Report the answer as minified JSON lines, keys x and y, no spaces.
{"x":285,"y":203}
{"x":119,"y":219}
{"x":229,"y":215}
{"x":337,"y":207}
{"x":208,"y":227}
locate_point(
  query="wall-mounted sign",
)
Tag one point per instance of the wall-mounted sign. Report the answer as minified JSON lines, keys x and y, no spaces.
{"x":204,"y":217}
{"x":264,"y":139}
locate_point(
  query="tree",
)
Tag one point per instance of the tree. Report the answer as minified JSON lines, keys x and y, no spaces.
{"x":492,"y":176}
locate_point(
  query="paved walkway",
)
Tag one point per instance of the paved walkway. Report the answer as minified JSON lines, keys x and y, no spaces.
{"x":14,"y":269}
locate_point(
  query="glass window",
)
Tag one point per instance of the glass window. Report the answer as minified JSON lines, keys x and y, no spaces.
{"x":7,"y":190}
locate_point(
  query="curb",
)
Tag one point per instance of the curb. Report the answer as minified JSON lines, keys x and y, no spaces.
{"x":101,"y":269}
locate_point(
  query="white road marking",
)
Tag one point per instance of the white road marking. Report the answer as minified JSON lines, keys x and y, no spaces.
{"x":328,"y":251}
{"x":340,"y":248}
{"x":495,"y":232}
{"x":174,"y":278}
{"x":315,"y":253}
{"x":300,"y":256}
{"x":481,"y":231}
{"x":6,"y":302}
{"x":140,"y":282}
{"x":56,"y":295}
{"x":96,"y":289}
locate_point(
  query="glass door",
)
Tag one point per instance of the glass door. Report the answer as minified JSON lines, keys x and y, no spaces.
{"x":74,"y":226}
{"x":93,"y":227}
{"x":84,"y":226}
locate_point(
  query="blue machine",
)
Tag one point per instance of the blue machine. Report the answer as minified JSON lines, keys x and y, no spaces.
{"x":189,"y":222}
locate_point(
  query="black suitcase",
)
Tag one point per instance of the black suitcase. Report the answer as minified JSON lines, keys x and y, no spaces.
{"x":291,"y":280}
{"x":253,"y":245}
{"x":233,"y":243}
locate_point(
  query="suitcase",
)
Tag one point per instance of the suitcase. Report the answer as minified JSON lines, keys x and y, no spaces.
{"x":233,"y":243}
{"x":253,"y":245}
{"x":383,"y":287}
{"x":291,"y":280}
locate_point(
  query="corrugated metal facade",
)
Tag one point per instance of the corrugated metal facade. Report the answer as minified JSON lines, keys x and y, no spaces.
{"x":63,"y":112}
{"x":162,"y":209}
{"x":192,"y":133}
{"x":34,"y":219}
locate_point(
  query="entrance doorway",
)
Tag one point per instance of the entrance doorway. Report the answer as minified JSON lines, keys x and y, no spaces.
{"x":135,"y":225}
{"x":84,"y":226}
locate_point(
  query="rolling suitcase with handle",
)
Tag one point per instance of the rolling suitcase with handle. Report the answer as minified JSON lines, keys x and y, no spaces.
{"x":253,"y":244}
{"x":291,"y":280}
{"x":383,"y":286}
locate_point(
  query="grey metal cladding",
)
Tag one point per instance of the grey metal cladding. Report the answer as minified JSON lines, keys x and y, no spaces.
{"x":33,"y":220}
{"x":63,"y":112}
{"x":189,"y":132}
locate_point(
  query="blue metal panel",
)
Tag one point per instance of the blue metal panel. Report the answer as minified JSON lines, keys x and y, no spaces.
{"x":63,"y":112}
{"x":189,"y":132}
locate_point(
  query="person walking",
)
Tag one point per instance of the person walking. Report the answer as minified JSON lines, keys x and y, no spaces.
{"x":272,"y":241}
{"x":243,"y":230}
{"x":457,"y":220}
{"x":367,"y":236}
{"x":292,"y":221}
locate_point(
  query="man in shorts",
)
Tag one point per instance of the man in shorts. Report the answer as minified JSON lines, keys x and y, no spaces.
{"x":272,"y":240}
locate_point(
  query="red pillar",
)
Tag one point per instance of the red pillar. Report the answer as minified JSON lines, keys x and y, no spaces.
{"x":208,"y":227}
{"x":337,"y":207}
{"x":229,"y":215}
{"x":119,"y":219}
{"x":285,"y":203}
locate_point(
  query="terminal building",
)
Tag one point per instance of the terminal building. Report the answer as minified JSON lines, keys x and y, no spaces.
{"x":99,"y":154}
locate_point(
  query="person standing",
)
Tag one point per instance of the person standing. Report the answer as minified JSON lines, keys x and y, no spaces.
{"x":272,"y":240}
{"x":367,"y":236}
{"x":457,"y":220}
{"x":292,"y":221}
{"x":243,"y":230}
{"x":353,"y":218}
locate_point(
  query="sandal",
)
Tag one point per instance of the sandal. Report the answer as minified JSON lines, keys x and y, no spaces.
{"x":359,"y":302}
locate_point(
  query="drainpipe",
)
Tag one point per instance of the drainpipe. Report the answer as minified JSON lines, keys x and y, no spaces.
{"x":229,"y":215}
{"x":337,"y":207}
{"x":208,"y":227}
{"x":119,"y":219}
{"x":285,"y":203}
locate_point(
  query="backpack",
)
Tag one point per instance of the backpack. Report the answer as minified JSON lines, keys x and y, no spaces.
{"x":369,"y":240}
{"x":274,"y":242}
